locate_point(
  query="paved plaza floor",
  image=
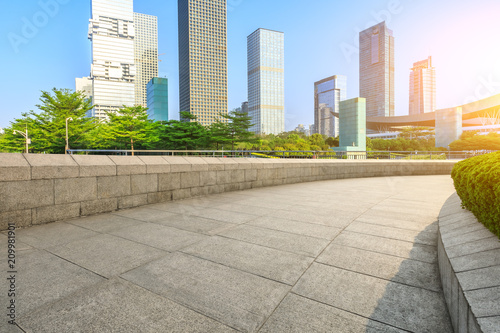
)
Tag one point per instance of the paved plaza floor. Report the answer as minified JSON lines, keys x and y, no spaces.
{"x":356,"y":255}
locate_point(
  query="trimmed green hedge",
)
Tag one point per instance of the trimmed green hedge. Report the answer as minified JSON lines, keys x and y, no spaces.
{"x":477,"y":181}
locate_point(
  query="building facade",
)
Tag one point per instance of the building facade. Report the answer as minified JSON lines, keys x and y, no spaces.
{"x":352,"y":125}
{"x":422,"y":87}
{"x":203,"y":58}
{"x":376,"y":70}
{"x":84,"y":84}
{"x":266,"y":81}
{"x":145,"y":54}
{"x":327,"y":96}
{"x":113,"y":70}
{"x":157,"y":99}
{"x":244,"y":107}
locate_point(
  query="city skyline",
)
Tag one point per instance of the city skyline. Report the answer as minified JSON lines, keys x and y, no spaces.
{"x":304,"y":67}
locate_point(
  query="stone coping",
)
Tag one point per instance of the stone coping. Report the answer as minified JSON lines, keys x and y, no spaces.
{"x":469,"y":263}
{"x":42,"y":188}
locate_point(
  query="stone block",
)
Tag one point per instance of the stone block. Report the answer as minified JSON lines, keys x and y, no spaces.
{"x":214,"y":164}
{"x":250,"y":175}
{"x":49,"y":166}
{"x":56,"y":213}
{"x":21,"y":218}
{"x":98,"y":206}
{"x":199,"y":191}
{"x":132,"y":201}
{"x":112,"y":187}
{"x":181,"y":194}
{"x":243,"y":163}
{"x":257,"y":184}
{"x":144,"y":183}
{"x":208,"y":178}
{"x":14,"y":167}
{"x":190,"y":179}
{"x":155,"y":164}
{"x":178,"y":164}
{"x":75,"y":190}
{"x":169,"y":181}
{"x":128,"y":165}
{"x":95,"y":165}
{"x":20,"y":195}
{"x":233,"y":187}
{"x":223,"y":177}
{"x":197,"y":163}
{"x":229,"y":163}
{"x":215,"y":189}
{"x":159,"y":197}
{"x":237,"y":176}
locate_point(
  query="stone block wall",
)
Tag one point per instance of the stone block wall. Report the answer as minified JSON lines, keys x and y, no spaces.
{"x":39,"y":188}
{"x":469,"y":264}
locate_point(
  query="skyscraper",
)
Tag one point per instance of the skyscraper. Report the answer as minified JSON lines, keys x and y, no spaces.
{"x":423,"y":87}
{"x":266,"y":81}
{"x":124,"y":55}
{"x":157,"y":91}
{"x":113,"y":70}
{"x":145,"y":54}
{"x":328,"y":93}
{"x":376,"y":70}
{"x":203,"y":58}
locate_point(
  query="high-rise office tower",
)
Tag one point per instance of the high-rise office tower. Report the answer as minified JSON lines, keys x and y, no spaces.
{"x":146,"y":54}
{"x":266,"y":81}
{"x":84,"y":84}
{"x":157,"y":92}
{"x":203,"y":58}
{"x":423,"y":87}
{"x":113,"y":70}
{"x":328,"y":93}
{"x":244,"y":107}
{"x":376,"y":70}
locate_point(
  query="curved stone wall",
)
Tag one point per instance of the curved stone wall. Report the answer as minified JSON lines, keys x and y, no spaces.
{"x":469,"y":264}
{"x":39,"y":188}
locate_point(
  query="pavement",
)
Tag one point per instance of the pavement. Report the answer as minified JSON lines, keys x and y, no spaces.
{"x":354,"y":255}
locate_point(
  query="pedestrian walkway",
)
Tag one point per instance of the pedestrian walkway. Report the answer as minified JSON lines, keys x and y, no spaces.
{"x":355,"y":255}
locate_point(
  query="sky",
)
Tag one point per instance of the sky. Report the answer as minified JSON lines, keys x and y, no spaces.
{"x":44,"y":44}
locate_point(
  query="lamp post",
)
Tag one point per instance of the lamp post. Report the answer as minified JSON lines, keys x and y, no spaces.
{"x":67,"y":141}
{"x":28,"y":141}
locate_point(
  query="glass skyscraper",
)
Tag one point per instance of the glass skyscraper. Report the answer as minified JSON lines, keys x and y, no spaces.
{"x":376,"y":70}
{"x":203,"y":58}
{"x":157,"y":92}
{"x":423,"y":87}
{"x":146,"y":54}
{"x":266,"y":81}
{"x":328,"y":93}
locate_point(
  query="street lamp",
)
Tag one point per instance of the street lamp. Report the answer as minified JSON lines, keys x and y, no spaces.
{"x":67,"y":143}
{"x":28,"y":140}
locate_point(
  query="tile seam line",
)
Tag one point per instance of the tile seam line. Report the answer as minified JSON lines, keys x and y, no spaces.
{"x":353,"y":313}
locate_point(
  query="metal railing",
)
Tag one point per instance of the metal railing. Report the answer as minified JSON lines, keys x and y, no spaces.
{"x":299,"y":154}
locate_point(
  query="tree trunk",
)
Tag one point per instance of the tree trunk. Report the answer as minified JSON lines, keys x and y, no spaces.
{"x":132,"y":145}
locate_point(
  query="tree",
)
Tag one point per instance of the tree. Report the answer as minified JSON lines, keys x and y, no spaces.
{"x":333,"y":142}
{"x":477,"y":142}
{"x":47,"y":129}
{"x":128,"y":125}
{"x":237,"y":127}
{"x":188,"y":134}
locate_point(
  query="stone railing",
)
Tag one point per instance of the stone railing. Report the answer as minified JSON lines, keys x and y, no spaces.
{"x":469,"y":264}
{"x":39,"y":188}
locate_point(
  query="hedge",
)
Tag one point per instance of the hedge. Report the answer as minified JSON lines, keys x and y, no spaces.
{"x":477,"y":181}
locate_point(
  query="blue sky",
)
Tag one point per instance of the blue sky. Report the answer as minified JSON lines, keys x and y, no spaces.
{"x":320,"y":41}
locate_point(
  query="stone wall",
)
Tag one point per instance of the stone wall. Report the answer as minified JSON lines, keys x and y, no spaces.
{"x":469,"y":264}
{"x":39,"y":188}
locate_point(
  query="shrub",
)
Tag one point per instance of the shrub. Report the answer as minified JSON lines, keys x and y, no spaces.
{"x":477,"y":181}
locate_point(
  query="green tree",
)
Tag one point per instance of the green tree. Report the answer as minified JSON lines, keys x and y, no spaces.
{"x":237,"y":127}
{"x":127,"y":127}
{"x":47,"y":128}
{"x":333,"y":142}
{"x":187,"y":134}
{"x":477,"y":142}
